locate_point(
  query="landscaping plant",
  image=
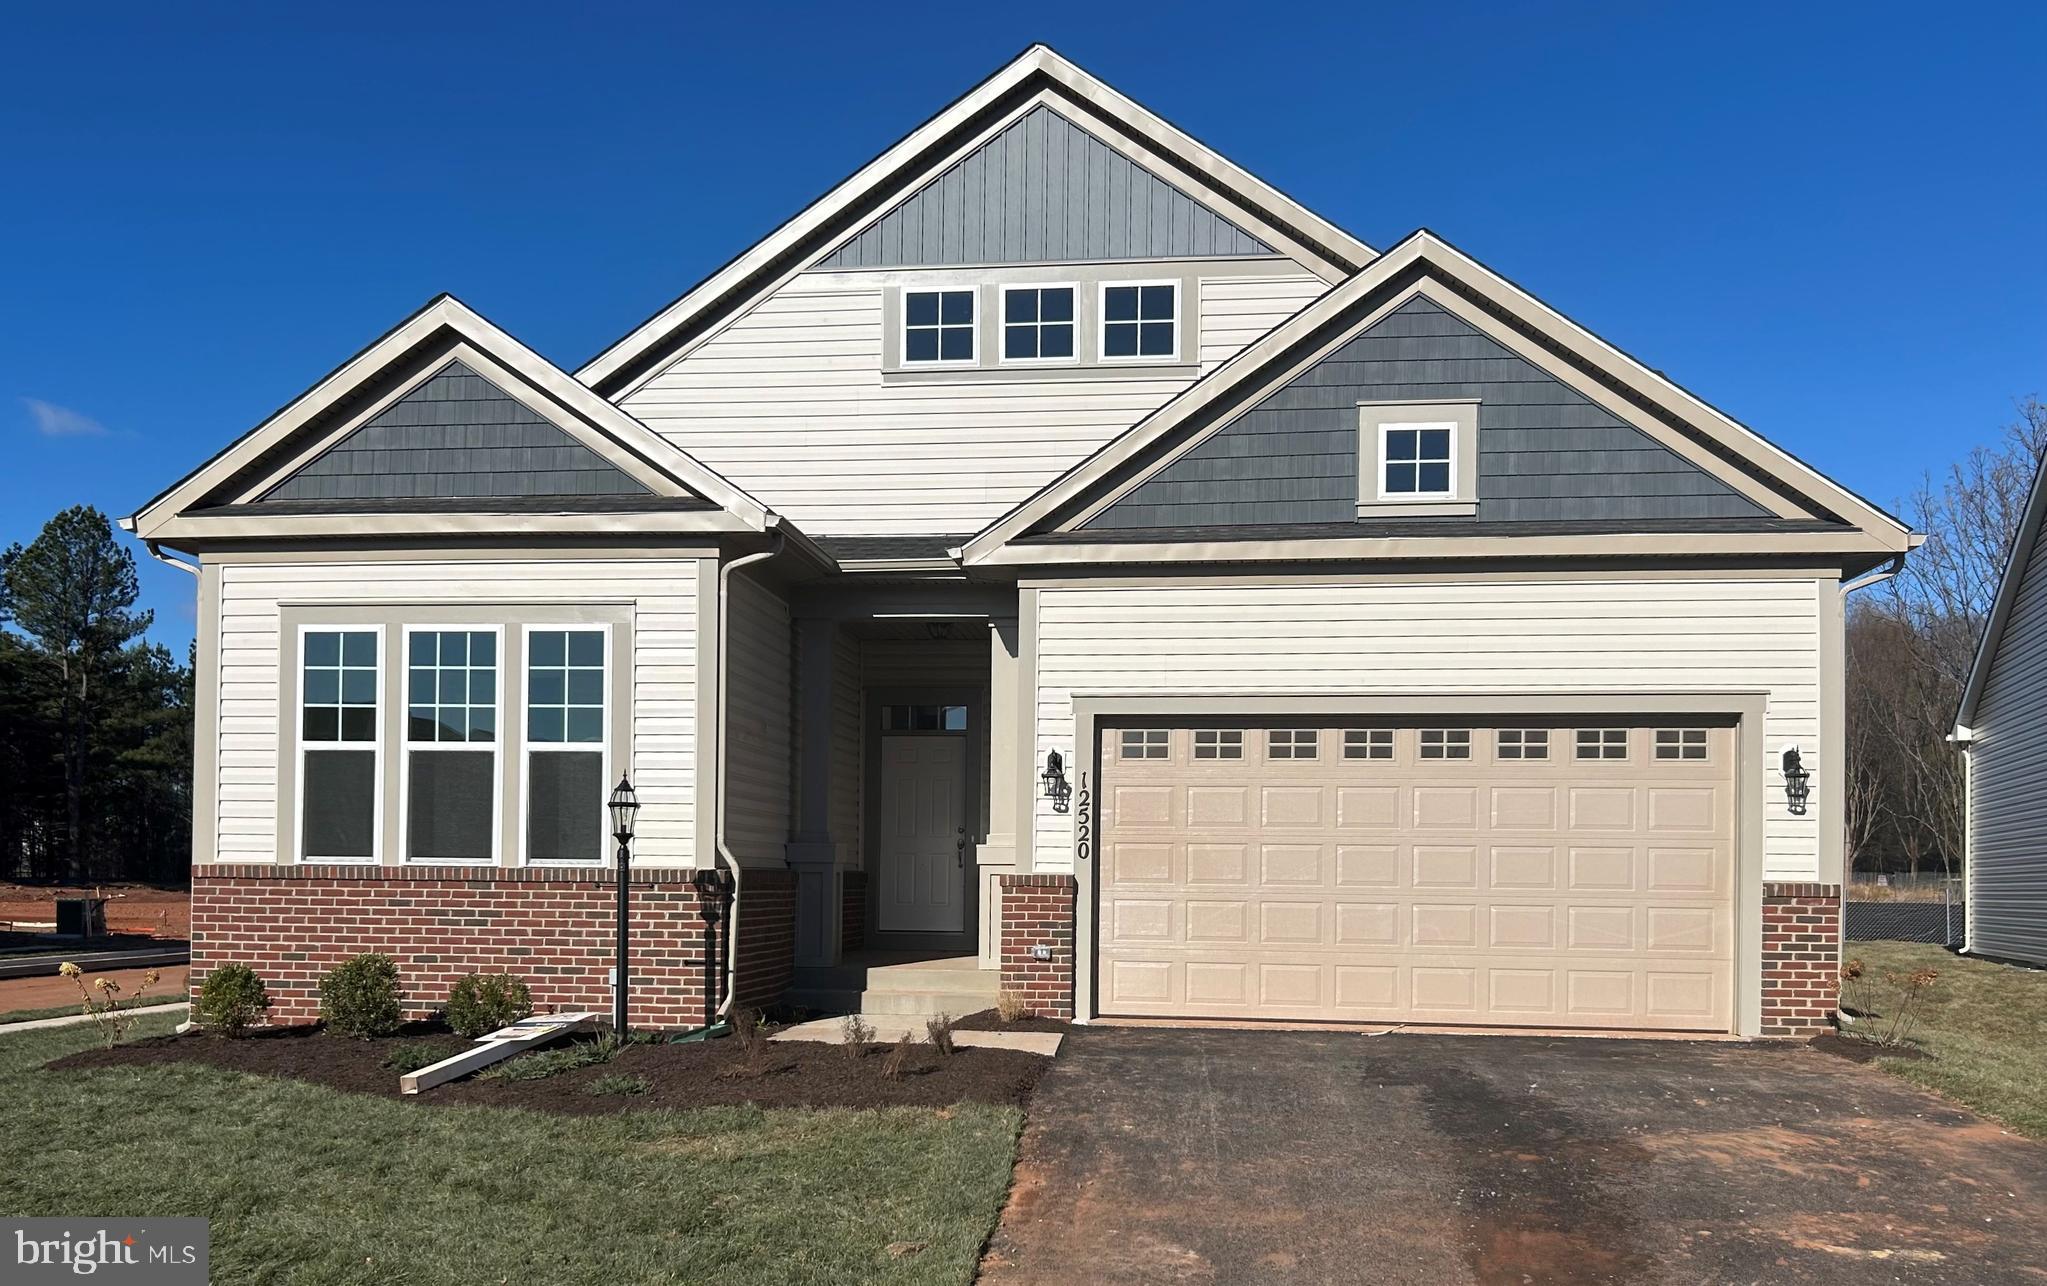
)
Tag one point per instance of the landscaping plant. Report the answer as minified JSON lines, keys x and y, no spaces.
{"x":359,"y":996}
{"x":857,"y":1037}
{"x":897,"y":1061}
{"x":103,"y":1002}
{"x":604,"y":1086}
{"x":483,"y":1002}
{"x":543,"y":1063}
{"x":410,"y":1058}
{"x":1010,"y":1006}
{"x":751,"y":1038}
{"x":1903,"y":1016}
{"x":232,"y":1000}
{"x":939,"y":1030}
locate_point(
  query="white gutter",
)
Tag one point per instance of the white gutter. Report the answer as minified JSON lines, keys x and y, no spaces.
{"x":724,"y":854}
{"x":1874,"y":577}
{"x":160,"y":556}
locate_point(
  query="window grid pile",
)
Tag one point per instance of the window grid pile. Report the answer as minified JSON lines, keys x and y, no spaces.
{"x":1523,"y":743}
{"x":1218,"y":743}
{"x":1139,"y":321}
{"x":1602,"y":743}
{"x":1368,"y":743}
{"x":1290,"y":743}
{"x":1144,"y":743}
{"x":938,"y":326}
{"x":1037,"y":323}
{"x":1445,"y":743}
{"x":1681,"y":743}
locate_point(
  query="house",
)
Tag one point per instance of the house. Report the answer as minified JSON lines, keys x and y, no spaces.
{"x":1057,"y":552}
{"x":1998,"y":727}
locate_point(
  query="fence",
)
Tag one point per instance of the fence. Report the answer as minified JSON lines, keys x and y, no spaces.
{"x":1927,"y":910}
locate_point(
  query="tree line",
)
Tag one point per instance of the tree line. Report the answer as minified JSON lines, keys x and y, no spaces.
{"x":95,"y":721}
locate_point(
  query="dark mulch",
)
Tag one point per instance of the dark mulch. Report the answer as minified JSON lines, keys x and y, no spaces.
{"x":1862,"y":1051}
{"x":989,"y":1020}
{"x":711,"y":1074}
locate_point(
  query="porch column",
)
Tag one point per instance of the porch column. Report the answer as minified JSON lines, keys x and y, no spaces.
{"x":997,"y":857}
{"x":812,"y":853}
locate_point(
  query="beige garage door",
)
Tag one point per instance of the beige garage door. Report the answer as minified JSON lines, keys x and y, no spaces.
{"x":1541,"y":874}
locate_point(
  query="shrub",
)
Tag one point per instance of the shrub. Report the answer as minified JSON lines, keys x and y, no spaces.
{"x":751,"y":1038}
{"x":897,"y":1061}
{"x":609,"y":1085}
{"x":483,"y":1002}
{"x":1010,"y":1006}
{"x":939,"y":1029}
{"x":232,"y":1000}
{"x":857,"y":1036}
{"x":541,"y":1064}
{"x":359,"y":996}
{"x":412,"y":1057}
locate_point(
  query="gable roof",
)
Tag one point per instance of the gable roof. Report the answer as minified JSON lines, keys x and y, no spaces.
{"x":1779,"y":483}
{"x":237,"y":491}
{"x":2009,"y":581}
{"x":1037,"y":78}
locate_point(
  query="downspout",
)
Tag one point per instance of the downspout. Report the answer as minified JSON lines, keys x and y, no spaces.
{"x":724,"y":853}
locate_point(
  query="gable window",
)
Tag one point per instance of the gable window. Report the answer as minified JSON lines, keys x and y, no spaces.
{"x":1290,"y":743}
{"x":1445,"y":743}
{"x":1141,"y":321}
{"x":1602,"y":743}
{"x":1368,"y":743}
{"x":566,"y":774}
{"x":339,"y":758}
{"x":1144,"y":743}
{"x":938,"y":326}
{"x":1417,"y":459}
{"x":1218,"y":743}
{"x":1037,"y":323}
{"x":451,"y":745}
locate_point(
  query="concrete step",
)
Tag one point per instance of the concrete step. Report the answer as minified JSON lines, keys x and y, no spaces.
{"x":956,"y":1003}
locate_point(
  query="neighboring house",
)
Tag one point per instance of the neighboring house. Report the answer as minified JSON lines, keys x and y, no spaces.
{"x":1408,"y":652}
{"x":2003,"y":735}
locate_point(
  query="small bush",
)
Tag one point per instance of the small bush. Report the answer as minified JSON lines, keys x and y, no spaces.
{"x":896,"y":1063}
{"x":483,"y":1002}
{"x":1010,"y":1006}
{"x":858,"y":1037}
{"x":751,"y":1038}
{"x":232,"y":1000}
{"x":410,"y":1058}
{"x":939,"y":1030}
{"x":608,"y":1086}
{"x":359,"y":997}
{"x":541,"y":1064}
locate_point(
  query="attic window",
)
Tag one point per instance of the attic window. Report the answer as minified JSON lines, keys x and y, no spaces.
{"x":1417,"y":459}
{"x":938,"y":326}
{"x":1140,"y":321}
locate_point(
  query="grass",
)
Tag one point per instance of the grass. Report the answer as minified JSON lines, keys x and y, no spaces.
{"x":76,"y":1009}
{"x":1984,"y":1026}
{"x":312,"y":1187}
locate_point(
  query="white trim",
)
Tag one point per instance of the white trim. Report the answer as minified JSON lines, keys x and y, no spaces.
{"x":1449,"y":461}
{"x":495,"y":747}
{"x":1002,"y":323}
{"x":940,"y":363}
{"x":1140,"y":358}
{"x":300,"y":746}
{"x":523,"y":841}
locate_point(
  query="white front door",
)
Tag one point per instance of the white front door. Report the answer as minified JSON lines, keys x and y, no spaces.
{"x":923,"y":835}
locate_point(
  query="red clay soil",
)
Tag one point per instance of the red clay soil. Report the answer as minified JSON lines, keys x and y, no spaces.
{"x":711,"y":1074}
{"x":49,"y":992}
{"x":131,"y":908}
{"x":989,"y":1020}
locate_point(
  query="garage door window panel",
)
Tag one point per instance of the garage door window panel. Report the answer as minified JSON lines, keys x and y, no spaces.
{"x":1445,"y":743}
{"x":1603,"y":743}
{"x":1368,"y":743}
{"x":1291,"y":743}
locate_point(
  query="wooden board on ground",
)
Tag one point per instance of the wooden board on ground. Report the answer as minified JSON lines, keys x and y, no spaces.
{"x":527,"y":1033}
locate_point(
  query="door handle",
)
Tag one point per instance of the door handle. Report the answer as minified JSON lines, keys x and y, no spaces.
{"x":959,"y":849}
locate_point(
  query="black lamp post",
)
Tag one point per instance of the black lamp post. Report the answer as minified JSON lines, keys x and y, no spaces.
{"x":624,"y":803}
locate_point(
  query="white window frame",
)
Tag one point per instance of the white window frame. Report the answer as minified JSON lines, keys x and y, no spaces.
{"x":495,"y":747}
{"x":1449,"y":430}
{"x":1102,"y":357}
{"x":973,"y":358}
{"x":1378,"y":419}
{"x":375,"y":746}
{"x":527,"y":745}
{"x":1002,"y":323}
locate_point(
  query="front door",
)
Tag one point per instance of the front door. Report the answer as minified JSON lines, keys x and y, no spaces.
{"x":923,"y":835}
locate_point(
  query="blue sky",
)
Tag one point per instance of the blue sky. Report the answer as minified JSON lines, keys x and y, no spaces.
{"x":1827,"y":220}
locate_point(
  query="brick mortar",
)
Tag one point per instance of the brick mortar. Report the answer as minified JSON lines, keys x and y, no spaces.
{"x":1801,"y":951}
{"x":1039,"y":909}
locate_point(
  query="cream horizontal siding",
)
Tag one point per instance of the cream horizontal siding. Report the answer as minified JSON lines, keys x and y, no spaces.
{"x":664,"y":679}
{"x":789,"y":402}
{"x":2008,"y":785}
{"x":760,"y":678}
{"x":1453,"y":637}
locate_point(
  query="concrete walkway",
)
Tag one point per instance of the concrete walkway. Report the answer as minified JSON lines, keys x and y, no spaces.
{"x":79,"y":1020}
{"x":888,"y":1029}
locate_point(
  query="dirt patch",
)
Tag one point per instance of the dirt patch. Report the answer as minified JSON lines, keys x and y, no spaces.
{"x":139,"y":909}
{"x":798,"y":1073}
{"x":1862,"y":1051}
{"x":989,"y":1020}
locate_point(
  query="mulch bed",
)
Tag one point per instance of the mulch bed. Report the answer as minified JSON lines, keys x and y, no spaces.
{"x":1862,"y":1051}
{"x":989,"y":1020}
{"x":797,"y":1073}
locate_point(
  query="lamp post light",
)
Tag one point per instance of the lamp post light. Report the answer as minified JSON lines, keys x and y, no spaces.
{"x":624,"y":803}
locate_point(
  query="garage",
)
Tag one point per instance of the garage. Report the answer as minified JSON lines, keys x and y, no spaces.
{"x":1544,"y":873}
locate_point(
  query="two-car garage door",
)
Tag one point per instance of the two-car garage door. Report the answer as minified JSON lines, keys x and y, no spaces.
{"x":1544,"y":873}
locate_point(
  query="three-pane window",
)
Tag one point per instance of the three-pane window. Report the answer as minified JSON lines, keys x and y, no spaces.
{"x":1368,"y":743}
{"x":451,"y":762}
{"x":1417,"y":459}
{"x":565,"y":739}
{"x":1218,"y":743}
{"x":1037,"y":323}
{"x":1681,"y":743}
{"x":938,"y":326}
{"x":1444,"y":743}
{"x":1523,"y":743}
{"x":1290,"y":743}
{"x":1140,"y":321}
{"x":1602,"y":743}
{"x":338,"y":751}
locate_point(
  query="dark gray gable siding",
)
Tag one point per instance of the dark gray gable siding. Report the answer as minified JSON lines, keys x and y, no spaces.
{"x":1546,"y":453}
{"x":1043,"y":189}
{"x":457,"y":435}
{"x":2008,"y":782}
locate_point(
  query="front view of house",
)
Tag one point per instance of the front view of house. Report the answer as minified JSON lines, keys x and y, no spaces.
{"x":1057,"y":550}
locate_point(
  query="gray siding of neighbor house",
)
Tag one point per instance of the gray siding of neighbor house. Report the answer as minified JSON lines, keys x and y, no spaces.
{"x":2008,"y":783}
{"x":1545,"y":453}
{"x":1043,"y":189}
{"x":455,"y":436}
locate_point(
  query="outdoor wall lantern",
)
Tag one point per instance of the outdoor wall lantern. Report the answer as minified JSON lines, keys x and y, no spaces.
{"x":1053,"y":779}
{"x":624,"y":804}
{"x":1797,"y":782}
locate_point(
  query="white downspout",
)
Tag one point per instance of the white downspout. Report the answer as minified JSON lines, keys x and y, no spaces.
{"x":724,"y":854}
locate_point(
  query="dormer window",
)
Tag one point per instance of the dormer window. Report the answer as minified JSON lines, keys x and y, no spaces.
{"x":1417,"y":459}
{"x":938,"y":327}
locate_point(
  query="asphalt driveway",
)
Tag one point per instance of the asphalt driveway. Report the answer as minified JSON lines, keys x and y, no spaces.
{"x":1229,"y":1156}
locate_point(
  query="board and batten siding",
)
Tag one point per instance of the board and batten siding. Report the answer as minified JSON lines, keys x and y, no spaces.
{"x":1456,"y":637}
{"x":2007,"y":841}
{"x":789,"y":402}
{"x":760,"y":682}
{"x":663,"y":595}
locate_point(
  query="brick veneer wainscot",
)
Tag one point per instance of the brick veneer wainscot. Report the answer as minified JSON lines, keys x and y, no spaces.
{"x":1038,"y":909}
{"x":551,"y":927}
{"x":1801,"y":957}
{"x":853,"y":910}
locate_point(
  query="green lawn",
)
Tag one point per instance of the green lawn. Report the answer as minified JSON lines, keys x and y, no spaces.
{"x":78,"y":1009}
{"x":305,"y":1185}
{"x":1984,"y":1026}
